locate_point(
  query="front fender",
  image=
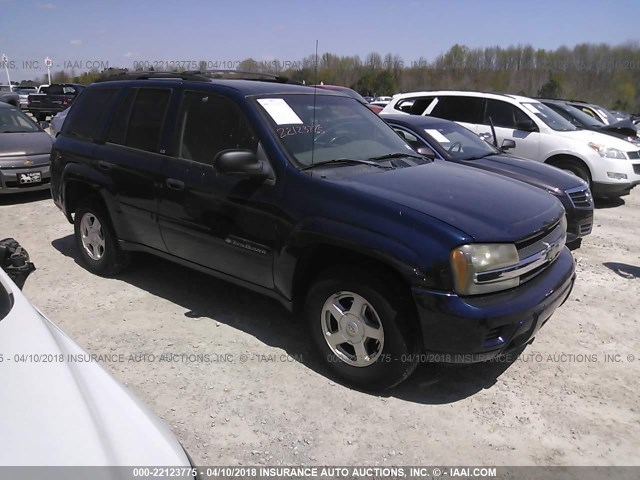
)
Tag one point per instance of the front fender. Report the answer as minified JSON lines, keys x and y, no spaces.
{"x":317,"y":232}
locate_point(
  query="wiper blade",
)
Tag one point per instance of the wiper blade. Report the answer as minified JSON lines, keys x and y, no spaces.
{"x":347,"y":161}
{"x":397,"y":155}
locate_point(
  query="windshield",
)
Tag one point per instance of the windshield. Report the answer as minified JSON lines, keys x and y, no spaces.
{"x":611,"y":118}
{"x":26,"y":91}
{"x":459,"y":142}
{"x":581,"y":117}
{"x":13,"y":121}
{"x":320,"y":128}
{"x":551,"y":118}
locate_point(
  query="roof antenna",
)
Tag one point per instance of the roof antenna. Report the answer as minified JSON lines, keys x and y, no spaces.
{"x":313,"y":123}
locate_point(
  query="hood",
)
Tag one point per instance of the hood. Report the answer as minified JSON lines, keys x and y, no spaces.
{"x":587,"y":136}
{"x":623,"y":127}
{"x":487,"y":207}
{"x":534,"y":173}
{"x":31,"y":143}
{"x":68,"y":413}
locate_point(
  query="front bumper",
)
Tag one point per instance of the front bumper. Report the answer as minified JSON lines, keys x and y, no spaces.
{"x":10,"y":173}
{"x":474,"y":329}
{"x":579,"y":220}
{"x":613,"y":189}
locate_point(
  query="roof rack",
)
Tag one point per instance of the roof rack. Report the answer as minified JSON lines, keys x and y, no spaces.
{"x":243,"y":74}
{"x":149,"y":75}
{"x":196,"y":76}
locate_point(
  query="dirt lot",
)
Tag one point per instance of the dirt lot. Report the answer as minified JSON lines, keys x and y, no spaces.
{"x":263,"y":398}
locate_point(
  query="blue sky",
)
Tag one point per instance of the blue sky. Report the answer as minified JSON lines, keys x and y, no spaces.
{"x":119,"y":32}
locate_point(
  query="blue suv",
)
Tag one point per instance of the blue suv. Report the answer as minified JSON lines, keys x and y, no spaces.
{"x":307,"y":196}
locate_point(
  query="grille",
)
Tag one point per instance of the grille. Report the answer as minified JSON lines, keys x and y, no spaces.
{"x":634,"y":155}
{"x":585,"y":229}
{"x":636,"y":168}
{"x":536,"y":253}
{"x":581,"y":197}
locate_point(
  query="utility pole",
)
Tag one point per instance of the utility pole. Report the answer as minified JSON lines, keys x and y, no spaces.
{"x":48,"y":62}
{"x":5,"y":62}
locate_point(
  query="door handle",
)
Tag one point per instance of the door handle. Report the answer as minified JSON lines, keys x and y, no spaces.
{"x":106,"y":166}
{"x":175,"y":184}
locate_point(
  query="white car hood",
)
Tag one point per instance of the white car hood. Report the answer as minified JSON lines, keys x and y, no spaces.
{"x":601,"y":139}
{"x":68,"y":413}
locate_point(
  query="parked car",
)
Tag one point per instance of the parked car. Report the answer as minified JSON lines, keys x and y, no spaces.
{"x":23,"y":94}
{"x":596,"y":111}
{"x":8,"y":95}
{"x":382,"y":99}
{"x":353,"y":94}
{"x":52,"y":99}
{"x":24,"y":152}
{"x":624,"y":129}
{"x":59,"y":406}
{"x":611,"y":166}
{"x":309,"y":197}
{"x":57,"y":121}
{"x":446,"y":140}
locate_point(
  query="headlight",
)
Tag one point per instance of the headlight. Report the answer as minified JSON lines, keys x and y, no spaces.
{"x":469,"y":260}
{"x":608,"y":152}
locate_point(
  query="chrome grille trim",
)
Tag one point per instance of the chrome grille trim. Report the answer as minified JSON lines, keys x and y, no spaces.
{"x":580,"y":197}
{"x":539,"y":254}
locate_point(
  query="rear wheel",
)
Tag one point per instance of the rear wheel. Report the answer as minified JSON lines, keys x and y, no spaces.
{"x":40,"y":117}
{"x":363,"y":327}
{"x":96,"y":239}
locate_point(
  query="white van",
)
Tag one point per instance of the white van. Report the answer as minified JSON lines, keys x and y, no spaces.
{"x":610,"y":165}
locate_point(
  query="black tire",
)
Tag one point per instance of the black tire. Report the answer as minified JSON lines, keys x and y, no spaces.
{"x":397,"y":359}
{"x":112,"y":259}
{"x":576,"y":168}
{"x":576,"y":244}
{"x":40,"y":117}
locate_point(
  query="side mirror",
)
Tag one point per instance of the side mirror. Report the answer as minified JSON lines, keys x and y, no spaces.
{"x":526,"y":126}
{"x":243,"y":163}
{"x":508,"y":143}
{"x":426,"y":152}
{"x":44,"y":124}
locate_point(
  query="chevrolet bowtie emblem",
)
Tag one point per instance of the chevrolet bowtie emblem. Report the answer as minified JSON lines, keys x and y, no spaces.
{"x":28,"y":163}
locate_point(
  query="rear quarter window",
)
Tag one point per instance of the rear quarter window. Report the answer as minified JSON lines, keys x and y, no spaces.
{"x":90,"y":111}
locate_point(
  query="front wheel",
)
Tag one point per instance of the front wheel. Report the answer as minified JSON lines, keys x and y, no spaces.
{"x":576,"y":169}
{"x":96,"y":240}
{"x":363,"y":327}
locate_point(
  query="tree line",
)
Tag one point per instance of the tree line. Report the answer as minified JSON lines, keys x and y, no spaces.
{"x":602,"y":74}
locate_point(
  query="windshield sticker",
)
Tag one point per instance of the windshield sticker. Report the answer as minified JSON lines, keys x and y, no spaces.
{"x":531,"y":108}
{"x":289,"y":131}
{"x":437,"y":136}
{"x":280,"y":111}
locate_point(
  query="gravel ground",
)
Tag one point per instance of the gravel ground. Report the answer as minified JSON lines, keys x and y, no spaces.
{"x":262,"y":398}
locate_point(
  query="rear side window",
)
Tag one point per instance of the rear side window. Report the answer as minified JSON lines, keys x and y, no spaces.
{"x":138,"y":120}
{"x":209,"y":124}
{"x":87,"y":117}
{"x":414,"y":106}
{"x":503,"y":114}
{"x":458,"y":109}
